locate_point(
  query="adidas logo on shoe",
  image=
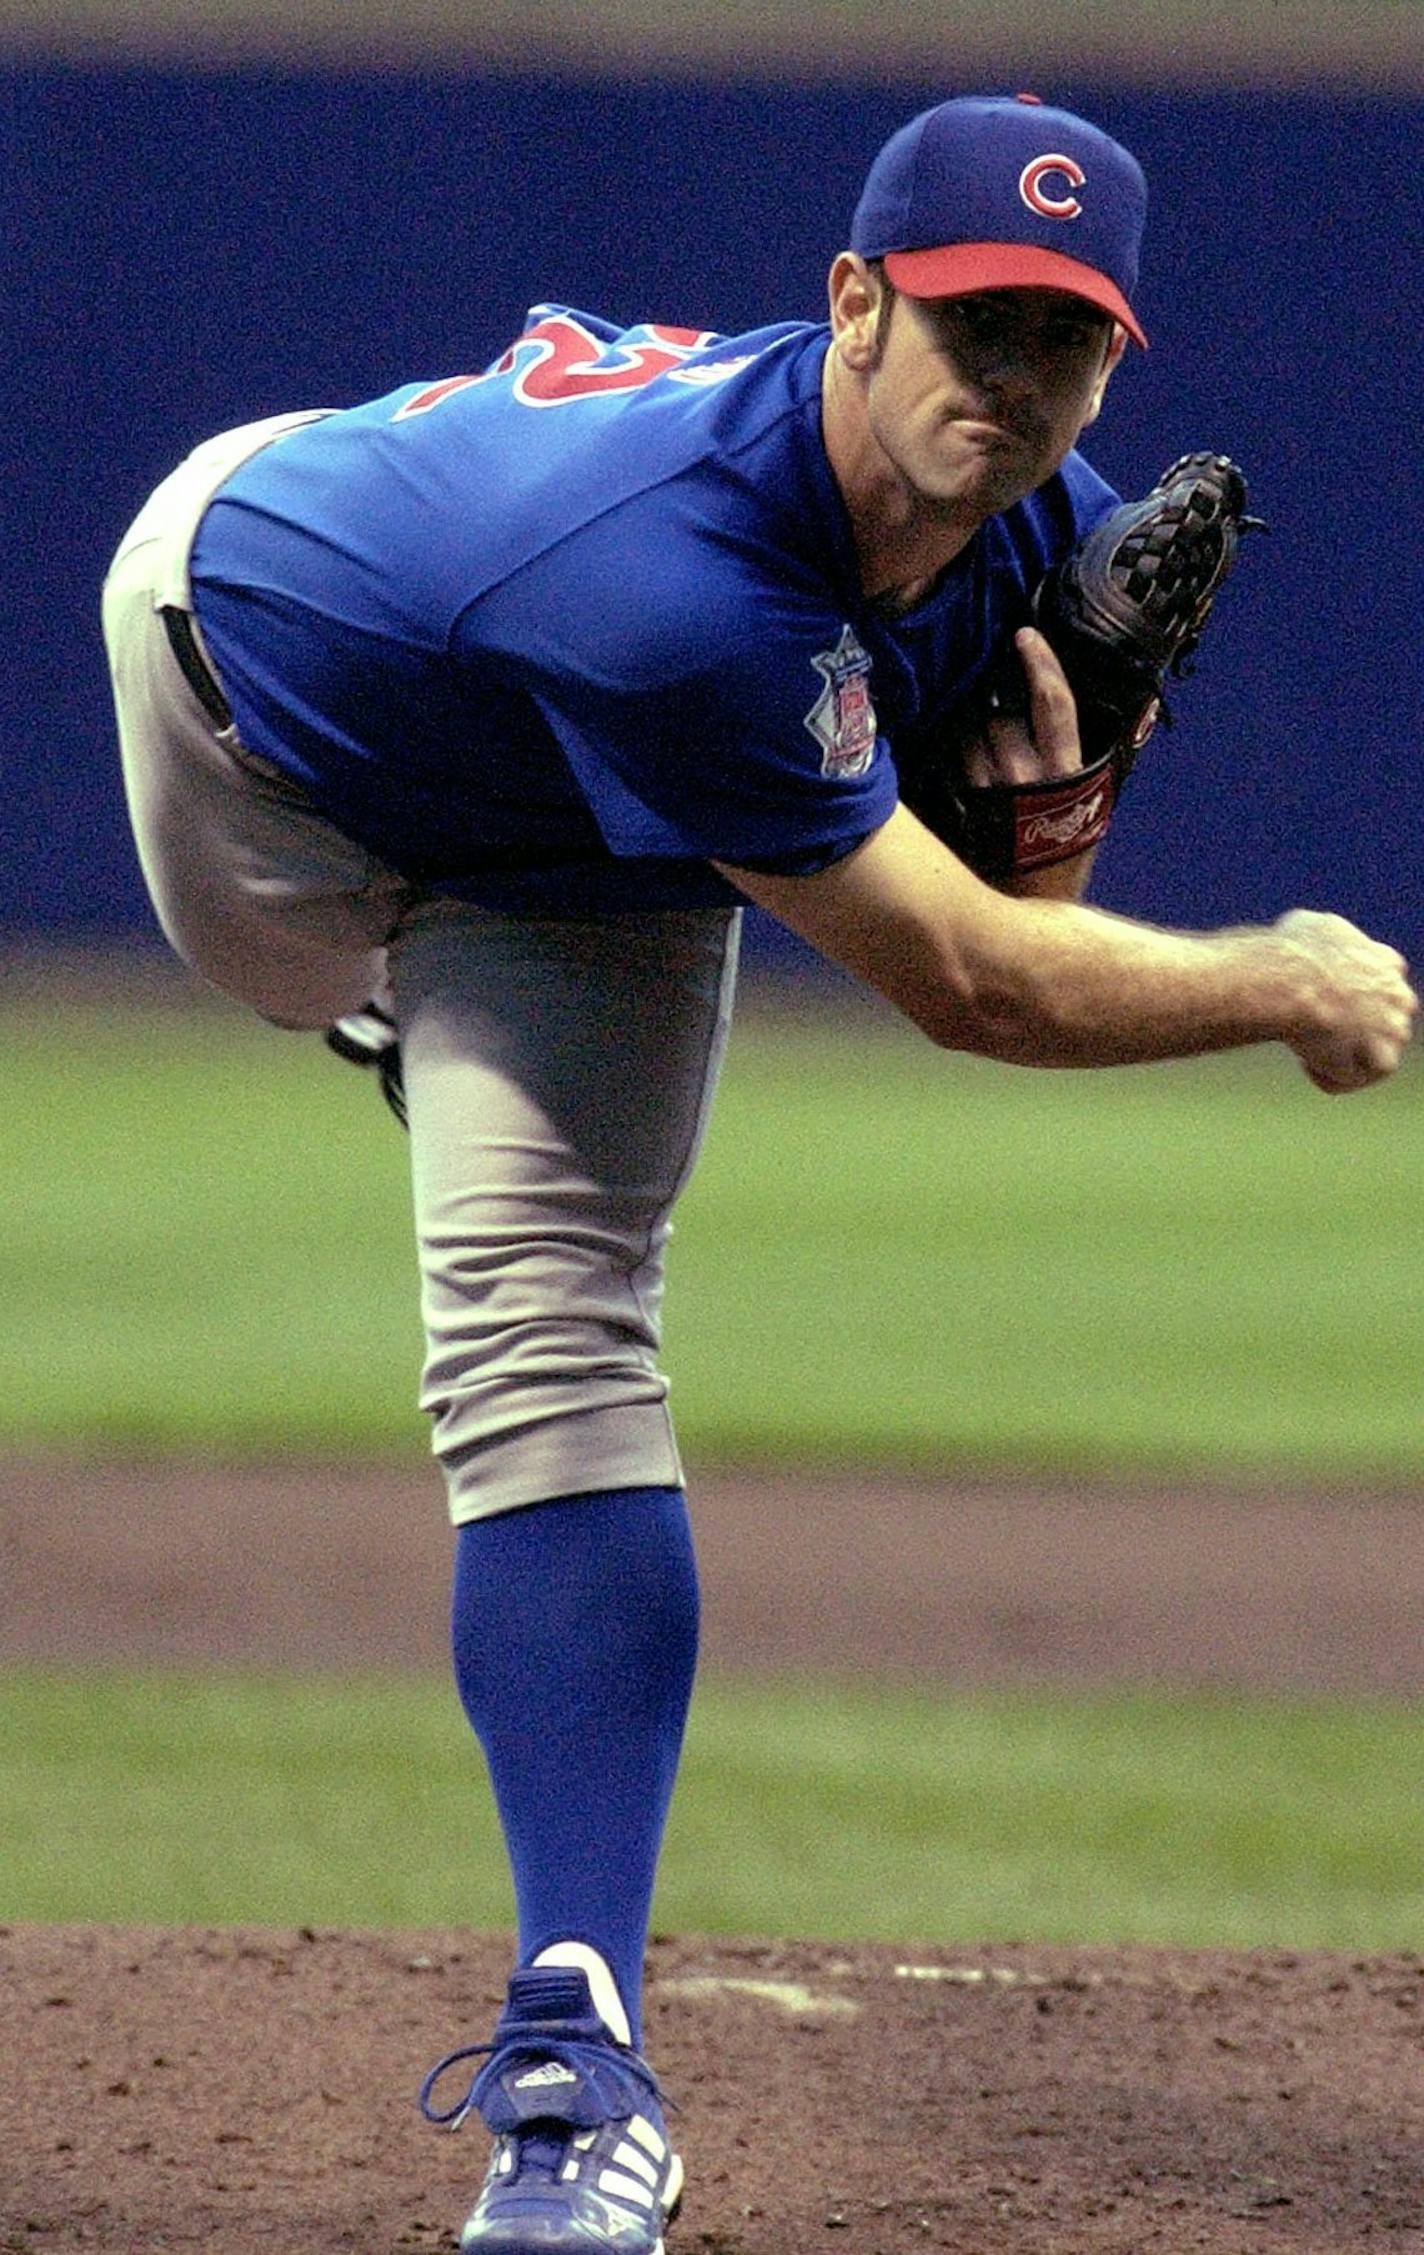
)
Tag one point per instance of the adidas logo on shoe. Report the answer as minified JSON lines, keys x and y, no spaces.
{"x":539,"y":2078}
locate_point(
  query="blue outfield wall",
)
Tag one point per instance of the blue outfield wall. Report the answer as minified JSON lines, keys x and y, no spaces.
{"x":184,"y":252}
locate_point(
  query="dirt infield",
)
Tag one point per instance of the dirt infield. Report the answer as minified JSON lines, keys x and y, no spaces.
{"x":974,"y":1583}
{"x":253,"y":2091}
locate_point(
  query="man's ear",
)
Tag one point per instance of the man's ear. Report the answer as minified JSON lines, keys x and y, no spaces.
{"x":854,"y":293}
{"x":1116,"y":346}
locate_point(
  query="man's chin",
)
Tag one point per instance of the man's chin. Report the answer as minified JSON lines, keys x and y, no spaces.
{"x":984,"y":484}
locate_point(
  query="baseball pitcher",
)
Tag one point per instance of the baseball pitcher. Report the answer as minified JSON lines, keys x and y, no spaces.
{"x":462,"y":722}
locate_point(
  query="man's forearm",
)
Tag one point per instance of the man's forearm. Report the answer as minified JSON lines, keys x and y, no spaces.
{"x":1051,"y":983}
{"x":1064,"y":985}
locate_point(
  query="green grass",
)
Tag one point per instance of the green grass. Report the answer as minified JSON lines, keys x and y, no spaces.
{"x":1204,"y":1265}
{"x":885,"y":1253}
{"x":804,"y":1809}
{"x":208,"y":1241}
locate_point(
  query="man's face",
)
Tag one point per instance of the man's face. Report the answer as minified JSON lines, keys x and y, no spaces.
{"x":976,"y":400}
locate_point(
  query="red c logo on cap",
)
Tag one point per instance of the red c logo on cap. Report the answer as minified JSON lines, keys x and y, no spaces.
{"x":1031,"y":187}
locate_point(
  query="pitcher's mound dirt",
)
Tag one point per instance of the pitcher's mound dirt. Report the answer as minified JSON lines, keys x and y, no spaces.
{"x":253,"y":2094}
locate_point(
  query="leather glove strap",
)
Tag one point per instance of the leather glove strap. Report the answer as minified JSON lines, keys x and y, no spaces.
{"x":1012,"y":828}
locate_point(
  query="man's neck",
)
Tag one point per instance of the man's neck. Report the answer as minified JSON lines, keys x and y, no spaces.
{"x":901,"y":546}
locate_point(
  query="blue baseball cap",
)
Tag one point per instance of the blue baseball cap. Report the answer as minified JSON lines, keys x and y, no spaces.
{"x":996,"y":192}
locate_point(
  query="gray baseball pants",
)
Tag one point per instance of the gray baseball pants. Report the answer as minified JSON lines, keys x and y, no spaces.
{"x":558,"y":1072}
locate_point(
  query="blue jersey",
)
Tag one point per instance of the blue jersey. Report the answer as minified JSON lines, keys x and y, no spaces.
{"x":557,"y":636}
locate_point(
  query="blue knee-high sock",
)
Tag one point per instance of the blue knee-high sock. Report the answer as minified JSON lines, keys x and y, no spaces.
{"x":574,"y":1629}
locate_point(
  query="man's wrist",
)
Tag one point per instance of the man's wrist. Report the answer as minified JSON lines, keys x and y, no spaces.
{"x":1058,"y":880}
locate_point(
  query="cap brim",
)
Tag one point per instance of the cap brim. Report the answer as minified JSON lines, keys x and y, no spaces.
{"x":956,"y":270}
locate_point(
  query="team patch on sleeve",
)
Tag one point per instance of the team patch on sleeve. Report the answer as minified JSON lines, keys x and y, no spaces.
{"x":842,"y":720}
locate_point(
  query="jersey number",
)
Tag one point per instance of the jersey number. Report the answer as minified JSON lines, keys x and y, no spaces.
{"x":558,"y":360}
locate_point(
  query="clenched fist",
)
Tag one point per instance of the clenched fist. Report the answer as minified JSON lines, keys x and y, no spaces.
{"x":1358,"y":1007}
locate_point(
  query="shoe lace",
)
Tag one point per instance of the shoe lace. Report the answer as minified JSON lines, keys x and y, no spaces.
{"x":453,"y":2115}
{"x":569,"y":2051}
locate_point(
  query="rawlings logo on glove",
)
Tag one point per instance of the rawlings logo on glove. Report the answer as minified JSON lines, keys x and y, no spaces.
{"x":1124,"y":611}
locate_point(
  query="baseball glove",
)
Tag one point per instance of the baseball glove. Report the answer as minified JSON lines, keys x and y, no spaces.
{"x":1124,"y":611}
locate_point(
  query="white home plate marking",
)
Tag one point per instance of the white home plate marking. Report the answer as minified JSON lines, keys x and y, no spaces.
{"x":789,"y":1996}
